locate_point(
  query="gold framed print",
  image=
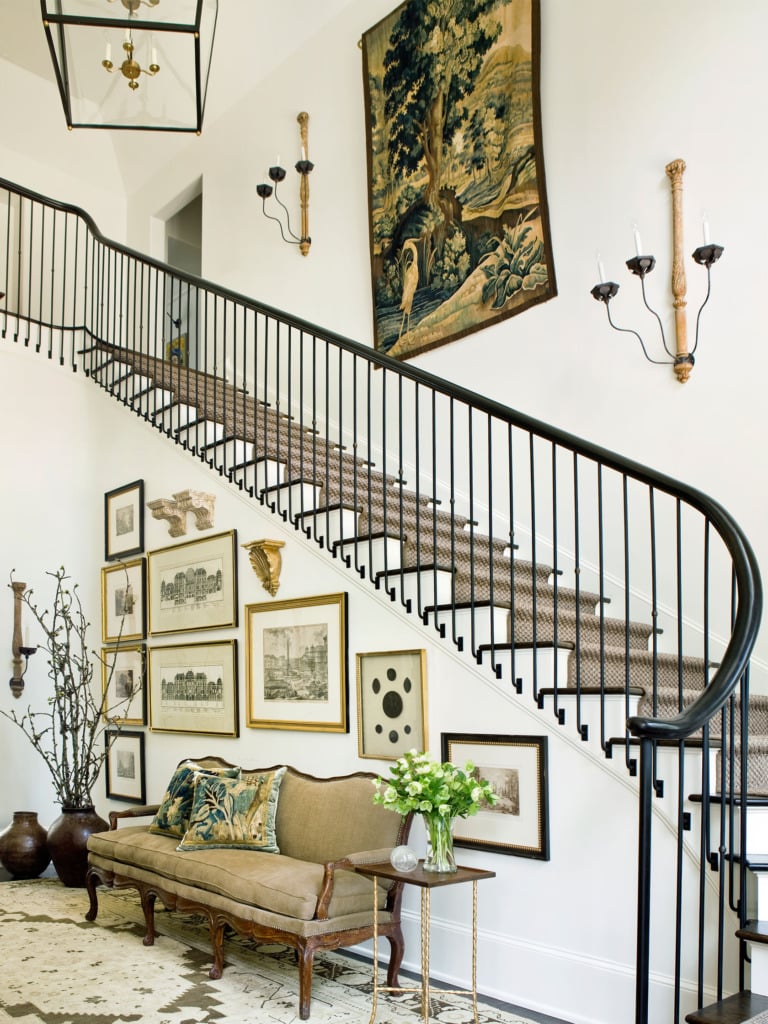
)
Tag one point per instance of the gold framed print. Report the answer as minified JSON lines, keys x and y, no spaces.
{"x":296,"y":664}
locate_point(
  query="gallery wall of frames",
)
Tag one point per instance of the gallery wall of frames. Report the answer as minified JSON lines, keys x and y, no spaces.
{"x":166,"y":673}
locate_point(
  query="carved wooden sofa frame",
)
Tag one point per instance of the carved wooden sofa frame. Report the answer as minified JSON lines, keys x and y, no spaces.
{"x":131,"y":857}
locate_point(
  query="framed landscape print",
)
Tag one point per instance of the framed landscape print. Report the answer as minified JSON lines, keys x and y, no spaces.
{"x":459,"y":227}
{"x":296,"y":664}
{"x":124,"y":601}
{"x":193,"y":688}
{"x":193,"y":585}
{"x":123,"y":673}
{"x":124,"y":521}
{"x":516,"y":767}
{"x":391,"y":703}
{"x":125,"y":772}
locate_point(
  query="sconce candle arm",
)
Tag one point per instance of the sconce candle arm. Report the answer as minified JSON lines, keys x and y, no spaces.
{"x":287,"y":219}
{"x":701,"y":307}
{"x":661,"y":326}
{"x":277,"y":220}
{"x":628,"y":330}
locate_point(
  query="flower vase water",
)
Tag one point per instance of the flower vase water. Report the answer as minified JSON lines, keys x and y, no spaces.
{"x":439,"y":857}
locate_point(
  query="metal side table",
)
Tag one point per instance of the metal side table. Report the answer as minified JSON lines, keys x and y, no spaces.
{"x":427,"y":881}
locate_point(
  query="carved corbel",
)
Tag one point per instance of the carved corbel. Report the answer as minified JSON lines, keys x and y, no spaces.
{"x":200,"y":504}
{"x":267,"y":562}
{"x":167,"y":508}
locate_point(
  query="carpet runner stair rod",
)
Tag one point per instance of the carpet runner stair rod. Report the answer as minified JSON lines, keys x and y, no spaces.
{"x":619,"y":601}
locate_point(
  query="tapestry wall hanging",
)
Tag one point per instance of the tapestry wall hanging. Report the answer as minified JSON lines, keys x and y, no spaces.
{"x":458,"y":209}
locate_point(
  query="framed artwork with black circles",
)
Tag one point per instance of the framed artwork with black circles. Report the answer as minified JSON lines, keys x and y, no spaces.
{"x":391,"y":703}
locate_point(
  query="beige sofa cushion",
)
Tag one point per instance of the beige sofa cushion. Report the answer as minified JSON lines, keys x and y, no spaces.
{"x":274,"y":882}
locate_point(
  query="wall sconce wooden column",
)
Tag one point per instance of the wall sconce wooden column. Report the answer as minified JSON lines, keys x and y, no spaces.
{"x":18,"y":649}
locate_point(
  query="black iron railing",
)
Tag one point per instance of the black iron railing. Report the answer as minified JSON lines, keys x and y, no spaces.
{"x":566,"y":570}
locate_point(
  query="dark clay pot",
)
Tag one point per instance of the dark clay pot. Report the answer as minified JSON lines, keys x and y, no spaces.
{"x":23,"y":846}
{"x":68,"y":842}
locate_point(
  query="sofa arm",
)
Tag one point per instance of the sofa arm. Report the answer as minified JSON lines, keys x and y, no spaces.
{"x":346,"y":863}
{"x":132,"y":812}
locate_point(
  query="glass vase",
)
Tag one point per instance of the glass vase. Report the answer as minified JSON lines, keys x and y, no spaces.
{"x":440,"y":849}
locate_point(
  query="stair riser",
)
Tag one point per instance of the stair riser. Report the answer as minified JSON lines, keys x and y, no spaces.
{"x":131,"y":388}
{"x":331,"y":527}
{"x":154,"y":400}
{"x":293,"y":500}
{"x":259,"y":475}
{"x":375,"y":555}
{"x":172,"y":418}
{"x":111,"y":372}
{"x":421,"y":589}
{"x":759,"y":968}
{"x":483,"y":618}
{"x":230,"y":453}
{"x":199,"y":436}
{"x":551,"y":665}
{"x":757,"y":835}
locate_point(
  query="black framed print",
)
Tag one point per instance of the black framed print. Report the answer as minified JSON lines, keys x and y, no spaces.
{"x":124,"y":521}
{"x":125,"y":772}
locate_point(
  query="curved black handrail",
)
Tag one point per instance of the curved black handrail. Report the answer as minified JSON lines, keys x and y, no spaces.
{"x":748,"y":586}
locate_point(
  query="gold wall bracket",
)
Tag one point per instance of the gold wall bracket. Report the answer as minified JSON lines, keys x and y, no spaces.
{"x":266,"y":562}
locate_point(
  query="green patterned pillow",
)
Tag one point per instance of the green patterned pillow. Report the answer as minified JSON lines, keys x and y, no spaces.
{"x":234,"y":813}
{"x":172,"y":818}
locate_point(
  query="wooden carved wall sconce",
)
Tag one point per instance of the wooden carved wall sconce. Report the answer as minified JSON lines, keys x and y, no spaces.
{"x":19,"y":650}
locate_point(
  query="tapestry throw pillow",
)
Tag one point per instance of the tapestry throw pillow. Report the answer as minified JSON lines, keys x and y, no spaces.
{"x":172,"y":818}
{"x":234,"y":814}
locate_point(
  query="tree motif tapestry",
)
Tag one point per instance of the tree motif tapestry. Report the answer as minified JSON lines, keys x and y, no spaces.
{"x":458,"y":210}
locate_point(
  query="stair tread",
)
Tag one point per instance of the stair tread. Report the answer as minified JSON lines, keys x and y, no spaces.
{"x":734,"y":1010}
{"x":754,"y":931}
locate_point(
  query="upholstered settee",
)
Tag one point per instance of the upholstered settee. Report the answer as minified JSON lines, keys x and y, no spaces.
{"x":307,"y":895}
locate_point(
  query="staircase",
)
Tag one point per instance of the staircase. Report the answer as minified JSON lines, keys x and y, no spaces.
{"x":575,"y":578}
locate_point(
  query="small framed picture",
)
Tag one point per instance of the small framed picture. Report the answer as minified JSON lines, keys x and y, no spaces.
{"x":193,"y":585}
{"x":124,"y":601}
{"x":391,"y":703}
{"x":296,"y":664}
{"x":516,"y":767}
{"x":123,"y":671}
{"x":124,"y":521}
{"x":125,"y":766}
{"x":193,"y":688}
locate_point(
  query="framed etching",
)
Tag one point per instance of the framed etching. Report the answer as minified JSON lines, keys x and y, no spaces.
{"x":124,"y":601}
{"x":124,"y":521}
{"x":125,"y":772}
{"x":296,"y":664}
{"x":516,"y":767}
{"x":123,"y":673}
{"x":193,"y":688}
{"x":193,"y":585}
{"x":391,"y":703}
{"x":459,"y":226}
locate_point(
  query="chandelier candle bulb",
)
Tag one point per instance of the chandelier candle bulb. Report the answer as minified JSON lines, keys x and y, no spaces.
{"x":108,"y":54}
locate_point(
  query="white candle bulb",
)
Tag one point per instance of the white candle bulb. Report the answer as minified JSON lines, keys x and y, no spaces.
{"x":705,"y":228}
{"x":26,"y":636}
{"x":278,"y":160}
{"x":127,"y":35}
{"x":108,"y":53}
{"x":638,"y":243}
{"x":303,"y":152}
{"x":600,"y":269}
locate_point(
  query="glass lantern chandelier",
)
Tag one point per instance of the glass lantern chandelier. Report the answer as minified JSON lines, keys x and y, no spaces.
{"x":134,"y":64}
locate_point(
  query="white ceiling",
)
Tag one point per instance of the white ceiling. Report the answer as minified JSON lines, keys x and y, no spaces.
{"x":252,"y":38}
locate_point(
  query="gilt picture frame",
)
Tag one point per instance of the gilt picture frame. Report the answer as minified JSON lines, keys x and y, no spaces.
{"x":193,"y":688}
{"x":125,"y":769}
{"x":123,"y":673}
{"x":296,"y":664}
{"x":193,"y":585}
{"x":516,"y":767}
{"x":124,"y":601}
{"x":391,"y":703}
{"x":124,"y":521}
{"x":458,"y":214}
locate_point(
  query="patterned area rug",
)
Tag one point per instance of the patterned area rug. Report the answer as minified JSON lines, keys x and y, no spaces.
{"x":59,"y":969}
